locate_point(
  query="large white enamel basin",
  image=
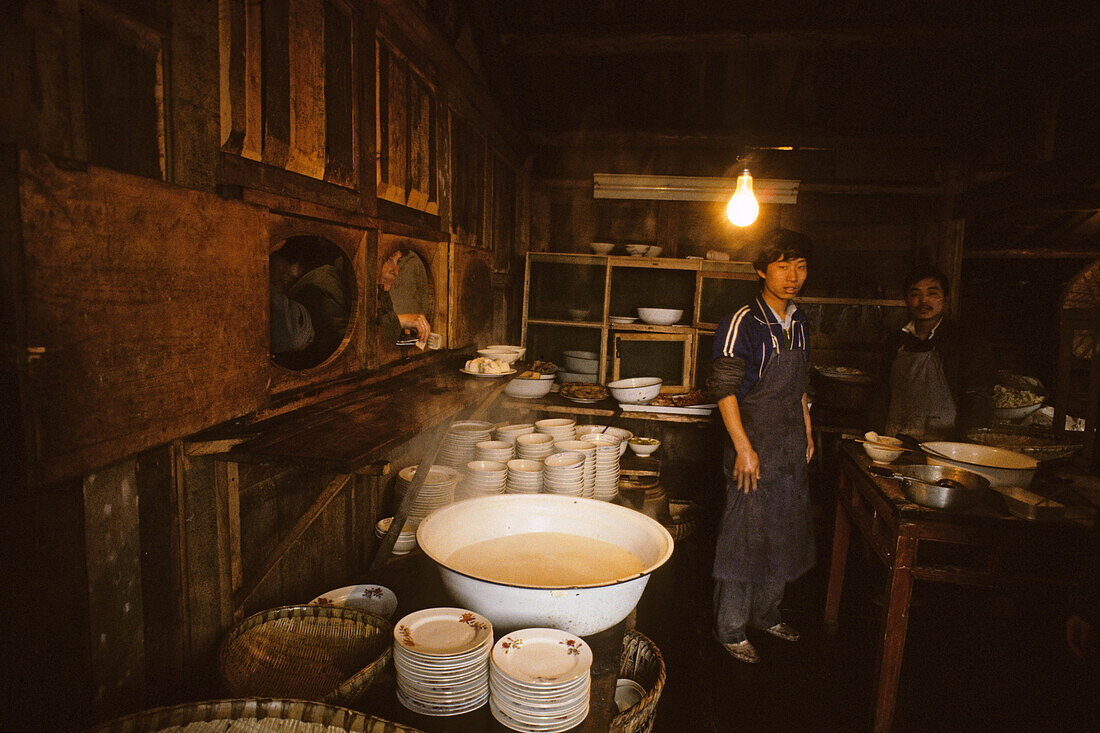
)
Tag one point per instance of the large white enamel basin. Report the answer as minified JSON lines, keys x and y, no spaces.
{"x":581,"y":609}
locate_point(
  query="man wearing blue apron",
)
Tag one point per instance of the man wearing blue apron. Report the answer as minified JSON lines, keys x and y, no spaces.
{"x":765,"y":537}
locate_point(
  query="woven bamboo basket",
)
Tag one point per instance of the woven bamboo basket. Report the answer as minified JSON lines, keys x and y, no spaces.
{"x":319,"y":653}
{"x":254,"y":714}
{"x":642,"y":662}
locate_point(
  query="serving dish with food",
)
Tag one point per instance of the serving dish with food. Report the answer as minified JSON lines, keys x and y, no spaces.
{"x":484,"y":366}
{"x":844,"y":374}
{"x":583,"y":392}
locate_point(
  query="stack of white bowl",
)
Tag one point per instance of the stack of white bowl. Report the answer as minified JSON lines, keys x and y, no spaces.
{"x":580,"y":366}
{"x":539,"y":680}
{"x":406,"y":539}
{"x":534,"y":446}
{"x":563,"y":473}
{"x":509,"y":433}
{"x":606,"y":486}
{"x":495,"y":450}
{"x":561,"y":428}
{"x":588,"y":450}
{"x":438,"y":490}
{"x":458,"y":444}
{"x":440,"y":660}
{"x":524,"y":477}
{"x":621,"y":433}
{"x":482,"y":478}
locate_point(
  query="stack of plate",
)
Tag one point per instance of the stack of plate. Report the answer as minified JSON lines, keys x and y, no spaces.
{"x":509,"y":433}
{"x":561,"y":428}
{"x":539,"y":680}
{"x":524,"y":477}
{"x":563,"y":473}
{"x":606,"y":486}
{"x":458,"y":444}
{"x":495,"y":450}
{"x":438,"y":490}
{"x":588,"y":450}
{"x":439,"y":656}
{"x":534,"y":446}
{"x":482,"y":478}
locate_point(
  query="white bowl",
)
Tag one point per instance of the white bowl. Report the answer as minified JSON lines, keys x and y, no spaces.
{"x":508,"y":347}
{"x":551,"y":424}
{"x":529,"y":388}
{"x":646,"y":448}
{"x":578,"y":314}
{"x":581,"y":609}
{"x":1001,"y":466}
{"x":601,"y":248}
{"x":660,"y":316}
{"x":406,"y":539}
{"x":637,"y":250}
{"x":508,"y":356}
{"x":653,"y":251}
{"x":635,"y":391}
{"x":581,"y":365}
{"x":882,"y":453}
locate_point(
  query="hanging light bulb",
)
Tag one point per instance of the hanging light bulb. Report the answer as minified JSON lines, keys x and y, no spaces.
{"x":742,"y":208}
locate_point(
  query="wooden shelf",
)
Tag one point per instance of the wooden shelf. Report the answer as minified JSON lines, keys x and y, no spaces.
{"x":558,"y":405}
{"x":555,"y":322}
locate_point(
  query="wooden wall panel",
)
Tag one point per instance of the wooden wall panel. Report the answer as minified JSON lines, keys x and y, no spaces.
{"x":472,"y":294}
{"x":150,"y":303}
{"x":307,"y":89}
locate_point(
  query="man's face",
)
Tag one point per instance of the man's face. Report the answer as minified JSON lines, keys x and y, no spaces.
{"x":784,"y":278}
{"x":925,"y":300}
{"x":284,"y":273}
{"x":389,"y":271}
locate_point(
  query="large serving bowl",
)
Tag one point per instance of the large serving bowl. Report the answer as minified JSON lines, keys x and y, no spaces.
{"x":581,"y":609}
{"x":529,"y":388}
{"x":581,"y":362}
{"x":1002,"y":467}
{"x":506,"y":347}
{"x":660,"y":316}
{"x":508,"y":356}
{"x":636,"y":390}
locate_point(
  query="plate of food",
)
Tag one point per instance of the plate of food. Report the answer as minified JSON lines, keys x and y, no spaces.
{"x":846,"y":374}
{"x":583,"y":393}
{"x":485,"y":367}
{"x":692,"y":402}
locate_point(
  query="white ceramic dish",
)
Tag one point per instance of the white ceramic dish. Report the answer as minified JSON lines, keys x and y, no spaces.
{"x":1002,"y":467}
{"x":581,"y":365}
{"x":479,"y":374}
{"x":882,"y":452}
{"x":623,"y":320}
{"x":508,"y":357}
{"x":509,"y":347}
{"x":646,"y":448}
{"x":376,"y":599}
{"x":637,"y":250}
{"x":578,"y":314}
{"x":529,"y":388}
{"x":581,"y":610}
{"x":601,"y":248}
{"x":699,"y":410}
{"x":660,"y":316}
{"x":636,"y":390}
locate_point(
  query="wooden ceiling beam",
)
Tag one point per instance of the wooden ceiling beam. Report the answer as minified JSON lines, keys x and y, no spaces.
{"x":844,"y":39}
{"x":803,"y":140}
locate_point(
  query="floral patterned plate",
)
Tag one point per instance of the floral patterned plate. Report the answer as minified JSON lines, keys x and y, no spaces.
{"x":542,"y":656}
{"x":376,"y":599}
{"x":443,"y":631}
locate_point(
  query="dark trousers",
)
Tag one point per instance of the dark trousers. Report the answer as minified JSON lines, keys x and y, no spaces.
{"x":738,"y":604}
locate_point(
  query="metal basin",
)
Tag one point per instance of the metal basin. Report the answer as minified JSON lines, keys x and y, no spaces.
{"x":1002,"y":467}
{"x":967,"y":490}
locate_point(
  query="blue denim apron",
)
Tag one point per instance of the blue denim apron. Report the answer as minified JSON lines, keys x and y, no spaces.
{"x":767,"y":534}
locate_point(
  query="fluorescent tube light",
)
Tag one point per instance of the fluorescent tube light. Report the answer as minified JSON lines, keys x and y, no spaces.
{"x":689,"y":188}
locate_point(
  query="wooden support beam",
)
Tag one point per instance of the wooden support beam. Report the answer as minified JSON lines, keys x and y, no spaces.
{"x":845,"y":39}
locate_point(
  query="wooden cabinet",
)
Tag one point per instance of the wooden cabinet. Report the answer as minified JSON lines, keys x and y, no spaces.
{"x":571,"y":299}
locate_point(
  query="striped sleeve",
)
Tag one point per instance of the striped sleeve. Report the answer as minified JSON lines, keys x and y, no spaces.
{"x":731,"y":337}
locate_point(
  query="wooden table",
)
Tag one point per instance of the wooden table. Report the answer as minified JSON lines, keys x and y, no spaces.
{"x":1002,"y":550}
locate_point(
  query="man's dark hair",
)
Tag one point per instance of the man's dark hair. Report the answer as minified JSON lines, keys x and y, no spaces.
{"x":782,"y":244}
{"x":926,"y":272}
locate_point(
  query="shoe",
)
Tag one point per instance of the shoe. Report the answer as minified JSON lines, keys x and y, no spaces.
{"x":784,"y":631}
{"x":743,"y":651}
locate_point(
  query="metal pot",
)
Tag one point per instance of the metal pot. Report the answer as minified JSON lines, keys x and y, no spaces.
{"x":919,"y":485}
{"x":1001,"y":466}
